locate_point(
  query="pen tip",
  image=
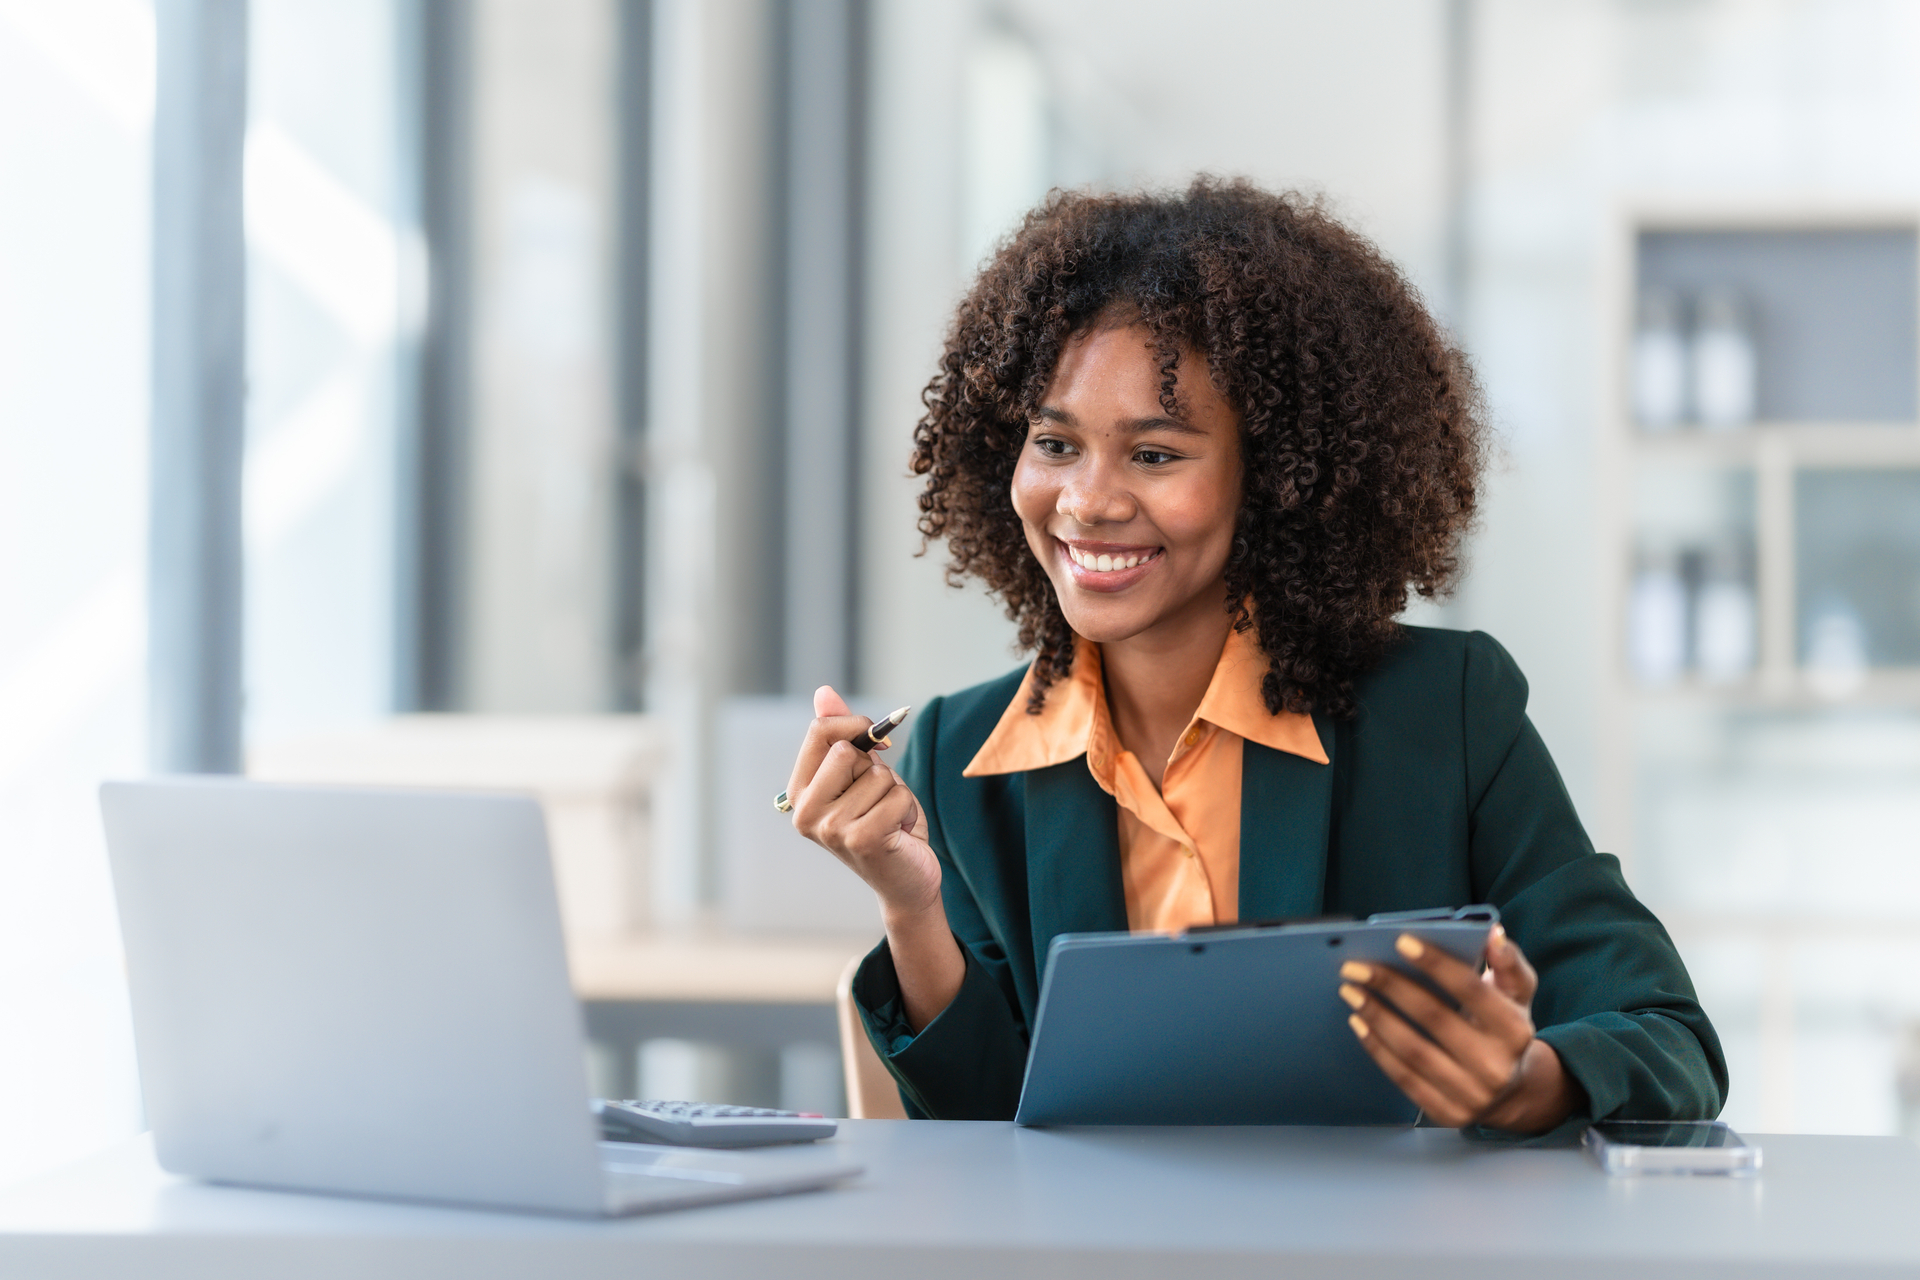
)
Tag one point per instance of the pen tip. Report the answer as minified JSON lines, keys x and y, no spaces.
{"x":900,"y":714}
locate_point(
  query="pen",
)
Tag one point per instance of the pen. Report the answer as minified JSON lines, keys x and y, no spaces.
{"x":874,"y":735}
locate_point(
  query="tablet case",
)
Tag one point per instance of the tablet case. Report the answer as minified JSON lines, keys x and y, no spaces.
{"x":1241,"y":1025}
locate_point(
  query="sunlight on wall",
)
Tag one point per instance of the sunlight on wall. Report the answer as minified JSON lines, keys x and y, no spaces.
{"x":336,"y":287}
{"x":76,"y":88}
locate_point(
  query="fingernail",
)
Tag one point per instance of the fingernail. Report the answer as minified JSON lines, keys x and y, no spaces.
{"x":1409,"y":946}
{"x":1356,"y":971}
{"x":1499,"y":938}
{"x":1353,"y":996}
{"x":1360,"y":1028}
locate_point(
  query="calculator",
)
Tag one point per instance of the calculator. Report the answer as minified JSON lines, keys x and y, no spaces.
{"x":707,"y":1124}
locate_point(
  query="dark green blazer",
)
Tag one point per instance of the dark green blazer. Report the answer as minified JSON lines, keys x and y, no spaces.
{"x":1440,"y":793}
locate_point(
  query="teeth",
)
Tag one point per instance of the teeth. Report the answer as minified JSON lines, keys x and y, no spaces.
{"x":1107,"y":563}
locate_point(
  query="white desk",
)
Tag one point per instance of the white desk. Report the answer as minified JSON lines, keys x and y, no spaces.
{"x":985,"y":1200}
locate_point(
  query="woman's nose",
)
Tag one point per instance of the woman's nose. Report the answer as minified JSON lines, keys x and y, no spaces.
{"x":1088,"y":499}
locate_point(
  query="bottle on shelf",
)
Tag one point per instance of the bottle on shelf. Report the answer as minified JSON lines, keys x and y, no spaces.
{"x":1724,"y":362}
{"x":1724,"y":617}
{"x":1660,"y":362}
{"x":1836,"y":647}
{"x":1657,"y":619}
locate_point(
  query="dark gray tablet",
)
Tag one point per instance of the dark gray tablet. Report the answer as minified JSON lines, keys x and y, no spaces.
{"x":1232,"y":1026}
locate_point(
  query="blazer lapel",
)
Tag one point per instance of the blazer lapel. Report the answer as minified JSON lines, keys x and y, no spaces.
{"x":1286,"y":807}
{"x":1073,"y":856}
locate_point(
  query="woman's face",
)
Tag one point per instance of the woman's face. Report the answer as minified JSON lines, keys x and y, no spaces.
{"x":1130,"y":511}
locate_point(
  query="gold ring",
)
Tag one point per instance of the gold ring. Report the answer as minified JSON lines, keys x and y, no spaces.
{"x":783,"y":804}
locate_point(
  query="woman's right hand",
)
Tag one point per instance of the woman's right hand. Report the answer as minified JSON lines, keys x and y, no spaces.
{"x":858,"y":809}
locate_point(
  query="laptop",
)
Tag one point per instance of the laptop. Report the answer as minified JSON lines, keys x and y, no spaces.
{"x":1230,"y":1024}
{"x":365,"y":992}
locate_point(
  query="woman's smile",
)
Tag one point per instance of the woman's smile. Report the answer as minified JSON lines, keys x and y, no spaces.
{"x":1107,"y":566}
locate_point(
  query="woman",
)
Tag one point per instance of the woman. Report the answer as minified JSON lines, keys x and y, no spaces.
{"x":1202,"y":446}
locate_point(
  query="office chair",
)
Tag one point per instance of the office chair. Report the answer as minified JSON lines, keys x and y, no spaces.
{"x":871,"y":1093}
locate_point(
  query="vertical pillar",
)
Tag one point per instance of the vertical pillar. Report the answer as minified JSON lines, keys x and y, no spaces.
{"x":634,"y":95}
{"x":822,"y":248}
{"x":437,"y":74}
{"x":199,"y":386}
{"x":1459,"y":159}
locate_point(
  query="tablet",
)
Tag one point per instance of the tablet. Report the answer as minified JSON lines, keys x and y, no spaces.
{"x":1238,"y":1025}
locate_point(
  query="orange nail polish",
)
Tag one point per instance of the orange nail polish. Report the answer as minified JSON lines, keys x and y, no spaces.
{"x":1409,"y":946}
{"x":1354,"y":971}
{"x":1360,"y":1028}
{"x":1353,"y":996}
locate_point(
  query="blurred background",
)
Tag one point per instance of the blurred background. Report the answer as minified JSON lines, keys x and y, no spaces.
{"x":517,"y":393}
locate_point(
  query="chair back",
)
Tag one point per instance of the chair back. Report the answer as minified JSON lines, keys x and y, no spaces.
{"x":871,"y":1092}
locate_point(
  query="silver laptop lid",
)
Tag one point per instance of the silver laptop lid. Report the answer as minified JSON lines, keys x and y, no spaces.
{"x":324,"y":981}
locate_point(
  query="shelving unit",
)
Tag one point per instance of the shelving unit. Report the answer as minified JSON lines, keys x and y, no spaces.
{"x":1758,"y":811}
{"x":1872,"y":250}
{"x":1777,"y":455}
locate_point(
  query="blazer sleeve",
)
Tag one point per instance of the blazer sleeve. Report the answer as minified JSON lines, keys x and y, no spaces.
{"x":1615,"y":1001}
{"x":969,"y":1062}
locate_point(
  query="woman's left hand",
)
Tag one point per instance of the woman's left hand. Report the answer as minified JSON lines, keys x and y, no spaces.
{"x":1483,"y":1064}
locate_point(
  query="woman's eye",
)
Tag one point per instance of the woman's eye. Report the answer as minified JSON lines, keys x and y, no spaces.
{"x":1051,"y":447}
{"x":1153,"y":457}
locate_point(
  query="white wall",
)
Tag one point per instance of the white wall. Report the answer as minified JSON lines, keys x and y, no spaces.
{"x":328,"y":266}
{"x":76,"y":101}
{"x":1345,"y":99}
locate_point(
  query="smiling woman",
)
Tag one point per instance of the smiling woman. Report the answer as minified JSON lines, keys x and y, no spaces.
{"x":1203,"y":447}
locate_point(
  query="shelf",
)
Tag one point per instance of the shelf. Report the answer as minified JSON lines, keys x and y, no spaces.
{"x":1805,"y":445}
{"x":1896,"y":686}
{"x":1696,"y":925}
{"x":1828,"y":301}
{"x":1833,"y":313}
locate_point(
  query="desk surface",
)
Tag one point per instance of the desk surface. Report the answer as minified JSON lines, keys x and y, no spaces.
{"x":942,"y":1200}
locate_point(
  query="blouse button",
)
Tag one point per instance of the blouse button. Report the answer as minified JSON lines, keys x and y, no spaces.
{"x":1192,"y":736}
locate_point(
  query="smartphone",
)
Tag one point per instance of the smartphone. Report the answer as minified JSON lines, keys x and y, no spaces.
{"x":1671,"y":1146}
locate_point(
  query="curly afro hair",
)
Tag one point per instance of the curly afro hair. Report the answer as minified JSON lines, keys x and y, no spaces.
{"x":1362,"y":427}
